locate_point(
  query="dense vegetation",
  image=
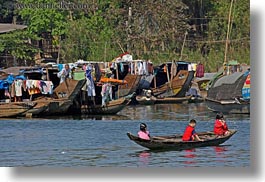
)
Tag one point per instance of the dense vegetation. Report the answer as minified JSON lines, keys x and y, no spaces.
{"x":160,"y":30}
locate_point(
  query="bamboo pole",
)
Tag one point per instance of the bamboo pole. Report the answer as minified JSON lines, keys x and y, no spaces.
{"x":182,"y":48}
{"x":227,"y":33}
{"x":105,"y":52}
{"x":121,"y":47}
{"x":173,"y":62}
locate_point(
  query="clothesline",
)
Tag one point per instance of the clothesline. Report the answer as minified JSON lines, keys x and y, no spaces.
{"x":16,"y":87}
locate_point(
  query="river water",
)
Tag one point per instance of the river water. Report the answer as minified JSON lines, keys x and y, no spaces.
{"x":82,"y":141}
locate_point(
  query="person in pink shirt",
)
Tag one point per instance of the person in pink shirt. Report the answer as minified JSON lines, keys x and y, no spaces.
{"x":143,"y":133}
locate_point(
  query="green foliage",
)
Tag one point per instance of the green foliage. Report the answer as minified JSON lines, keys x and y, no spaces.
{"x":155,"y":30}
{"x":87,"y":39}
{"x":16,"y":43}
{"x":240,"y":29}
{"x":44,"y":19}
{"x":6,"y":10}
{"x":155,"y":26}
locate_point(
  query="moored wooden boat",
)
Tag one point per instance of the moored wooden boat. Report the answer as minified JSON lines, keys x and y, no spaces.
{"x":174,"y":142}
{"x":225,"y":94}
{"x":172,"y":100}
{"x":64,"y":96}
{"x":145,"y":81}
{"x":177,"y":87}
{"x":14,"y":109}
{"x":130,"y":87}
{"x":112,"y":107}
{"x":229,"y":106}
{"x":36,"y":110}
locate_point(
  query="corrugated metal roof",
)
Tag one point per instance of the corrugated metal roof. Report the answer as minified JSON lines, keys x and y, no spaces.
{"x":6,"y":27}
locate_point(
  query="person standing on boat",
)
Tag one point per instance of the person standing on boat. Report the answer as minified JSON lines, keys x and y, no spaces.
{"x":189,"y":133}
{"x":220,"y":126}
{"x":143,"y":133}
{"x":64,"y":73}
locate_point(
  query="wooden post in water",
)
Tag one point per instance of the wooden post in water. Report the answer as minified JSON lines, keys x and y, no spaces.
{"x":168,"y":76}
{"x":154,"y":80}
{"x":117,"y":75}
{"x":47,"y":74}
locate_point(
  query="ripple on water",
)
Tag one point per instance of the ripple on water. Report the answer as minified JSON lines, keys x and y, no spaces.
{"x":102,"y":141}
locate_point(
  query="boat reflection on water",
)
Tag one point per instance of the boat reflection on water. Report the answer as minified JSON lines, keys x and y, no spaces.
{"x":219,"y":149}
{"x":144,"y":158}
{"x":168,"y":111}
{"x":190,"y":155}
{"x":220,"y":152}
{"x":114,"y":117}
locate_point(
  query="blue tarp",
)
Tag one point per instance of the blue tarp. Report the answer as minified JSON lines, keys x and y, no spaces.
{"x":20,"y":77}
{"x":60,"y":67}
{"x":4,"y":84}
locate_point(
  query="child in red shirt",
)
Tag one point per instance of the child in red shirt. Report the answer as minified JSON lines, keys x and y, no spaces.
{"x":190,"y":134}
{"x":220,"y":126}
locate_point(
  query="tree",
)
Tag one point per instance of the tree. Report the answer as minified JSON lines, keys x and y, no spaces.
{"x":17,"y":44}
{"x":239,"y":35}
{"x":149,"y":28}
{"x":87,"y":38}
{"x":42,"y":19}
{"x":6,"y":11}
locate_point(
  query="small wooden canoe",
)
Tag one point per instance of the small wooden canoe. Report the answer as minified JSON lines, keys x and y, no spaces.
{"x":228,"y":106}
{"x":14,"y":109}
{"x":37,"y":109}
{"x":172,"y":100}
{"x":112,"y":107}
{"x":174,"y":142}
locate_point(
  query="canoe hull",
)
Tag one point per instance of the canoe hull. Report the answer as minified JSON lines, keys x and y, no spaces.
{"x":66,"y":93}
{"x":172,"y":100}
{"x":113,"y":107}
{"x":176,"y":143}
{"x":131,"y":87}
{"x":228,"y":107}
{"x":15,"y":109}
{"x":37,"y":109}
{"x":178,"y":87}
